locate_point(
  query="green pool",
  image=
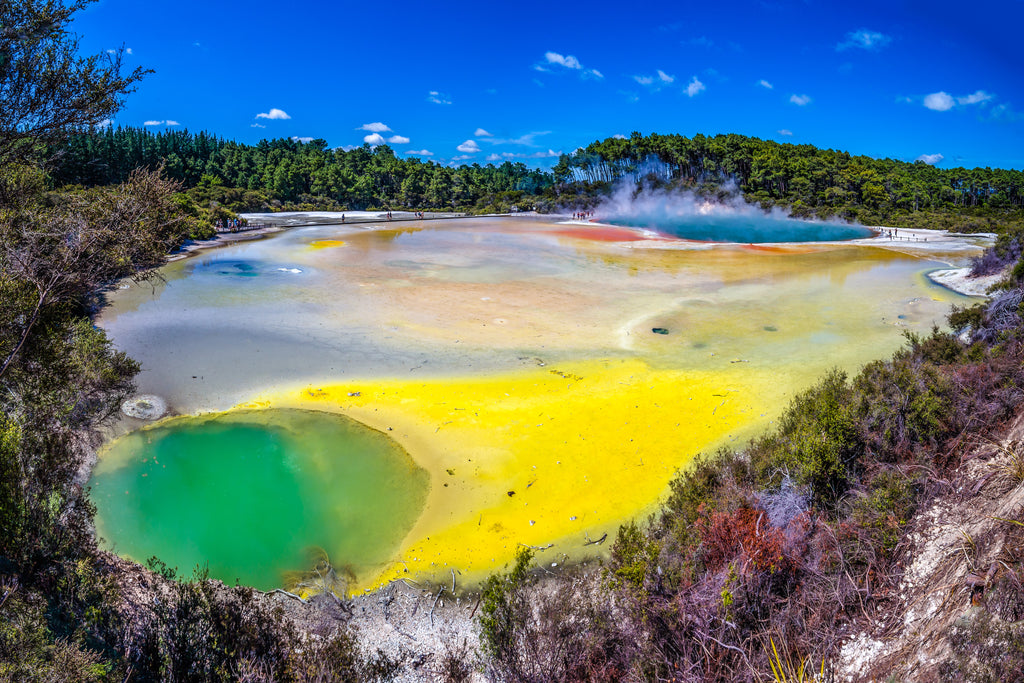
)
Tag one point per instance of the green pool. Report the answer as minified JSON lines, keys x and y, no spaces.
{"x":253,"y":495}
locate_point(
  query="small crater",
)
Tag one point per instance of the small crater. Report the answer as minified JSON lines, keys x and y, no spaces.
{"x":147,"y":407}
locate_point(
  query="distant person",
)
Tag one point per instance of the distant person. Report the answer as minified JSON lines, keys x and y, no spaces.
{"x":342,"y":218}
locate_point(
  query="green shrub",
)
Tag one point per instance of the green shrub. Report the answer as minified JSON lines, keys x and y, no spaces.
{"x":967,"y":317}
{"x":816,"y":442}
{"x":634,"y":555}
{"x":885,"y":508}
{"x":29,"y":652}
{"x":505,"y":611}
{"x":901,"y":405}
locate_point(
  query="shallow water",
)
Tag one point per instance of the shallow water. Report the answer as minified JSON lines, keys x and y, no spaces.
{"x":253,"y":496}
{"x":516,"y":355}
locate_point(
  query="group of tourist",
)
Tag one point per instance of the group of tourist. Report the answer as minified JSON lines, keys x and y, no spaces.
{"x":388,"y":216}
{"x":229,"y":224}
{"x":582,"y":215}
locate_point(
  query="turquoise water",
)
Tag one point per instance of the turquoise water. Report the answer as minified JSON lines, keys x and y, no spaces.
{"x":254,"y":495}
{"x":745,"y":227}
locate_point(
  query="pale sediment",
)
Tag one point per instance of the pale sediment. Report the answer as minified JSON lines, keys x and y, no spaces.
{"x":960,"y":280}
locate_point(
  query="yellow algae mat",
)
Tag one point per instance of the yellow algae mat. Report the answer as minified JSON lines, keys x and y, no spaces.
{"x":552,"y":455}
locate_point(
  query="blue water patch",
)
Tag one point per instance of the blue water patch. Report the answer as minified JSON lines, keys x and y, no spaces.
{"x":237,"y":268}
{"x":744,"y":228}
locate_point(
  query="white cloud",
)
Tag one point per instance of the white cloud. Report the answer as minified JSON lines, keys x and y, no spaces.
{"x":347,"y":148}
{"x":274,"y":114}
{"x":481,"y":133}
{"x":398,"y":140}
{"x":128,"y":51}
{"x":303,"y":140}
{"x":930,"y":159}
{"x":493,"y":157}
{"x":462,"y":157}
{"x":974,"y":98}
{"x":257,"y":125}
{"x":111,"y":51}
{"x":172,"y":123}
{"x":939,"y":101}
{"x":105,"y":123}
{"x":421,"y":152}
{"x":619,"y":136}
{"x":469,"y":147}
{"x":765,"y":84}
{"x":569,"y":62}
{"x":375,"y":127}
{"x":526,"y":140}
{"x":694,"y":87}
{"x":153,"y":123}
{"x":437,"y":97}
{"x":374,"y":139}
{"x":785,"y":131}
{"x":533,"y":155}
{"x":1003,"y":112}
{"x":943,"y":101}
{"x":800,"y":100}
{"x":660,"y":79}
{"x":865,"y":40}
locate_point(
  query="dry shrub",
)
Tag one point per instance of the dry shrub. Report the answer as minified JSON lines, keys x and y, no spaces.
{"x":745,"y":537}
{"x":455,"y":664}
{"x":985,"y":649}
{"x":565,"y":630}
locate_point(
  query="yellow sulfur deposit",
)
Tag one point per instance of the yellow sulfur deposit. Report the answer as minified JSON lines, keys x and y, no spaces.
{"x":326,"y":244}
{"x":549,"y":455}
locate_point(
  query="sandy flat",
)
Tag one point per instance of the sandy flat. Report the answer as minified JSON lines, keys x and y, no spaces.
{"x":960,"y":280}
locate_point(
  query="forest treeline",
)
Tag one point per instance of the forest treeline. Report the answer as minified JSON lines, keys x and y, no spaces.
{"x":292,"y":173}
{"x":805,"y":180}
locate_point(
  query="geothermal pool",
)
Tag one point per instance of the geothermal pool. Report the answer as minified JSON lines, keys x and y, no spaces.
{"x":514,"y":381}
{"x":247,"y":493}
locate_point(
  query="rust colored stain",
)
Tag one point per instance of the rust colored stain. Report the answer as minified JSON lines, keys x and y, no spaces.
{"x":602,"y":234}
{"x":778,"y":249}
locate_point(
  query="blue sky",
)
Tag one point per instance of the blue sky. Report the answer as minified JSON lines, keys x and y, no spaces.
{"x":465,"y":82}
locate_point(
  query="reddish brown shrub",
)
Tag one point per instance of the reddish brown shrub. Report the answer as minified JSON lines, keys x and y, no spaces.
{"x":744,"y":537}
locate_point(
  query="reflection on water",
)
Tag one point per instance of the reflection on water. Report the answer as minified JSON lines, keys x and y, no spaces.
{"x":485,"y":342}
